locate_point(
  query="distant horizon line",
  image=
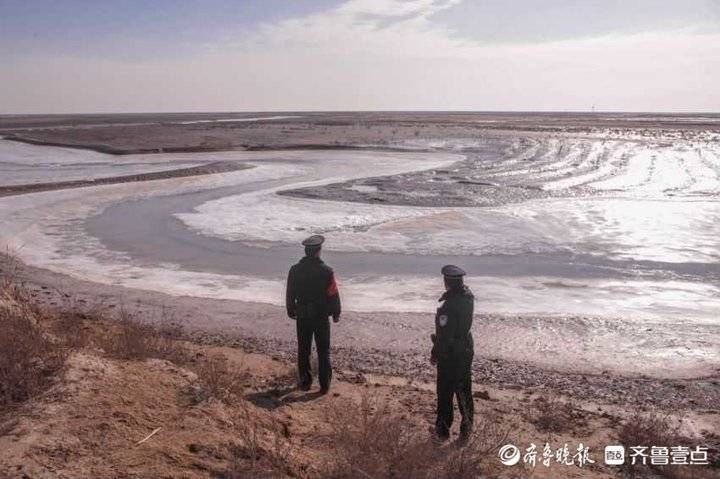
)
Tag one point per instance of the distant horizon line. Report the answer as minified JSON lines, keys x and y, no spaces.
{"x":243,"y":112}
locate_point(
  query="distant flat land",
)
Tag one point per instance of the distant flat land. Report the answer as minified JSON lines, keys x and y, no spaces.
{"x":173,"y":132}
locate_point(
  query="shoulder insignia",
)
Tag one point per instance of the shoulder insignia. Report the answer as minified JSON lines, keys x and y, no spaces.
{"x":442,"y":320}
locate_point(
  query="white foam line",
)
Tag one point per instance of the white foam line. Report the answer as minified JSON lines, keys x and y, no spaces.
{"x":594,"y":159}
{"x":515,"y":158}
{"x":239,"y":120}
{"x":552,"y":148}
{"x":635,"y":173}
{"x":668,"y":173}
{"x":565,"y":164}
{"x":705,"y":171}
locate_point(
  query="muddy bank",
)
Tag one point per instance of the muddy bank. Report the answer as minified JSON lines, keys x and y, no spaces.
{"x":102,"y":148}
{"x":124,"y":134}
{"x":245,"y":326}
{"x":130,"y":400}
{"x":644,"y":393}
{"x":208,"y":169}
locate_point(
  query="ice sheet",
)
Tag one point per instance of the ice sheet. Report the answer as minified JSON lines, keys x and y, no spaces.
{"x":47,"y":229}
{"x":22,"y":163}
{"x":653,"y":230}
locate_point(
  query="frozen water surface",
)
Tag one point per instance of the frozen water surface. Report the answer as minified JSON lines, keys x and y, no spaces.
{"x":22,"y":163}
{"x":629,"y":229}
{"x":619,"y":229}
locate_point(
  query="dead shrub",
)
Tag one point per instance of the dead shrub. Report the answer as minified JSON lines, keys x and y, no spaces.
{"x":10,"y":267}
{"x":239,"y":457}
{"x":648,"y":429}
{"x":245,"y":463}
{"x":479,"y":454}
{"x":70,"y":326}
{"x":130,"y":339}
{"x":376,"y":442}
{"x":658,"y":430}
{"x":14,"y":295}
{"x":553,"y":415}
{"x":29,"y":358}
{"x":168,"y":343}
{"x":75,"y":320}
{"x":220,"y":381}
{"x":261,"y":448}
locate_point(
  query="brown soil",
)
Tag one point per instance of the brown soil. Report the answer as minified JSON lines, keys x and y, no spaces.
{"x":128,"y":407}
{"x":91,"y":422}
{"x":358,"y":347}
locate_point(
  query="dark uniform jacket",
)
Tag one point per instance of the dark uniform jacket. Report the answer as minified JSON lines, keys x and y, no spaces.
{"x":311,"y":290}
{"x":452,"y":325}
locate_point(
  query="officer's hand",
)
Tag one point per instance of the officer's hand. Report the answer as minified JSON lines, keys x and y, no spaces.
{"x":336,"y":318}
{"x":292,"y":316}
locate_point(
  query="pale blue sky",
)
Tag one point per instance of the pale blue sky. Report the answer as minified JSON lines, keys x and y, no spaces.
{"x":119,"y":27}
{"x":89,"y":55}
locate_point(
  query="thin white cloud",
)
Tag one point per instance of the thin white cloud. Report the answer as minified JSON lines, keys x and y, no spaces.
{"x":376,"y":27}
{"x":393,"y":8}
{"x":383,"y":54}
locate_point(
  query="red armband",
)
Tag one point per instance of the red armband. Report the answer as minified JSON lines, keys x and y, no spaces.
{"x":332,"y":289}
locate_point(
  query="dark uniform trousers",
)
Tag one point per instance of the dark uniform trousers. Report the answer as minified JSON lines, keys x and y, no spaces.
{"x":454,"y":380}
{"x":312,"y":295}
{"x":453,"y":350}
{"x":307,"y":329}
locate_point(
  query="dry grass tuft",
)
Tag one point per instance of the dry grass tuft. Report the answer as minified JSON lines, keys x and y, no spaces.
{"x":261,"y":448}
{"x":375,"y":442}
{"x":649,"y":430}
{"x":30,"y":358}
{"x":659,"y":430}
{"x":554,"y":416}
{"x":74,"y":321}
{"x":132,"y":340}
{"x":70,"y":326}
{"x":220,"y":381}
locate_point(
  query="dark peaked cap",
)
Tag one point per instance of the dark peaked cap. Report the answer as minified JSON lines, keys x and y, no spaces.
{"x":452,"y":271}
{"x":314,"y":241}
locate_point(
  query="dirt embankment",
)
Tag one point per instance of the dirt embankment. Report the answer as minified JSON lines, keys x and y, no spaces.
{"x":104,"y":394}
{"x":235,"y":324}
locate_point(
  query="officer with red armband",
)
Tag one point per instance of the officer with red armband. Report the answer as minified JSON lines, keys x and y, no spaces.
{"x":311,"y":298}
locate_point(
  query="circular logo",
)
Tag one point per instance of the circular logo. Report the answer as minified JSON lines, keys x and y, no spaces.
{"x":509,"y":454}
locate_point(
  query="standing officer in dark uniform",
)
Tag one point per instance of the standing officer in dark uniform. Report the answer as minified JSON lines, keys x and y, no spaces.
{"x":453,"y":353}
{"x":311,"y":297}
